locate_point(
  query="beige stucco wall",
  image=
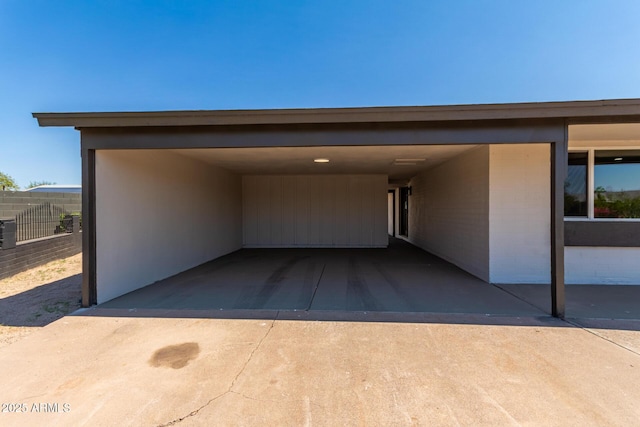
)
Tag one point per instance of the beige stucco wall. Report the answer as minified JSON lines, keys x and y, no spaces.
{"x":315,"y":210}
{"x":449,"y":211}
{"x":519,"y":213}
{"x":602,"y":266}
{"x":159,"y":214}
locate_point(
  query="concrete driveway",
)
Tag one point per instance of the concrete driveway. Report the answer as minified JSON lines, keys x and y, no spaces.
{"x":110,"y":367}
{"x":359,"y":344}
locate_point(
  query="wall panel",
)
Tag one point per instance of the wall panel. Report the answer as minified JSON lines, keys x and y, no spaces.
{"x":602,"y":266}
{"x":520,"y":220}
{"x":158,"y":214}
{"x":315,"y":210}
{"x":449,"y":211}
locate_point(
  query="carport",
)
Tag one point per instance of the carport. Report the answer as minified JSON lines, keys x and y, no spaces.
{"x":166,"y":192}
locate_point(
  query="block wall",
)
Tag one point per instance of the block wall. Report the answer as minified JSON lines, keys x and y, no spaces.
{"x":449,"y":211}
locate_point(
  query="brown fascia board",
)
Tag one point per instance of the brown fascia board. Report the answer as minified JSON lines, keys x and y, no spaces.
{"x":539,"y":110}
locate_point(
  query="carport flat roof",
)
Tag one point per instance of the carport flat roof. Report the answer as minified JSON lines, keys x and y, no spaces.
{"x":575,"y":111}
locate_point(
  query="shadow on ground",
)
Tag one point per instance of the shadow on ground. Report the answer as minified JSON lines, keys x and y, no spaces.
{"x":42,"y":305}
{"x":401,"y":283}
{"x":589,"y":306}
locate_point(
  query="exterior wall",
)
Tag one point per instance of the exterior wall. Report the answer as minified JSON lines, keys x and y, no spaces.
{"x":158,"y":214}
{"x":33,"y":253}
{"x":14,"y":202}
{"x":449,"y":211}
{"x":602,"y":266}
{"x":315,"y":210}
{"x":599,"y":265}
{"x":519,"y":218}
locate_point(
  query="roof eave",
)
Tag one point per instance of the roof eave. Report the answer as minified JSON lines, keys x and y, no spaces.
{"x":542,"y":110}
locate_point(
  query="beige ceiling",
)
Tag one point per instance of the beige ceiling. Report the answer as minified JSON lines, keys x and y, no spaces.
{"x":605,"y":132}
{"x":398,"y":162}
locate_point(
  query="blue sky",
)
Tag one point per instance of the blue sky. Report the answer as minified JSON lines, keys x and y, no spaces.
{"x":623,"y":177}
{"x":133,"y":55}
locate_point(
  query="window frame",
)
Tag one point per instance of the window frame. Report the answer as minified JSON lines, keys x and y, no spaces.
{"x":591,"y":182}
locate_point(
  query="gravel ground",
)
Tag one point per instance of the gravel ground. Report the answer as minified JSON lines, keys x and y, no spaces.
{"x":39,"y":296}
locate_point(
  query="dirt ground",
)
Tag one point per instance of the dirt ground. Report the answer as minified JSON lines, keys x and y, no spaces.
{"x":39,"y":296}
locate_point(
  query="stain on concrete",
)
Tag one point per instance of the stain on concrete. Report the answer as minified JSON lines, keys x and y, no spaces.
{"x":71,"y":384}
{"x":175,"y":356}
{"x":359,"y":296}
{"x":125,"y":330}
{"x":401,"y":291}
{"x":250,"y":300}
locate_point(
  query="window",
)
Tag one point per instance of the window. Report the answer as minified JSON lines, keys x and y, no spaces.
{"x":603,"y":184}
{"x":575,"y":187}
{"x":617,"y":184}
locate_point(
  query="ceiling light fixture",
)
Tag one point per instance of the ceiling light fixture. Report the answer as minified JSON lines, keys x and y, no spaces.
{"x":321,"y":160}
{"x":617,"y":159}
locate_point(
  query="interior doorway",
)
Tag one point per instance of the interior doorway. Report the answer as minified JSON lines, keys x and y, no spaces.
{"x":404,"y":212}
{"x":391,"y":213}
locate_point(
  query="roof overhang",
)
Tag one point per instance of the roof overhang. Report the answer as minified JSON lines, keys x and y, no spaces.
{"x":603,"y":111}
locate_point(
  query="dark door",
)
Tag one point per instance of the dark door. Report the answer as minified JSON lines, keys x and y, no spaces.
{"x":391,"y":212}
{"x":404,"y":211}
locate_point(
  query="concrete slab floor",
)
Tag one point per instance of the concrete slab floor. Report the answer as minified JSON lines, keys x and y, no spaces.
{"x":401,"y":278}
{"x":103,"y":371}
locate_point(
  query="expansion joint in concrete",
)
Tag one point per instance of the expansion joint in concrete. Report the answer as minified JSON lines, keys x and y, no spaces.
{"x":591,"y":331}
{"x":520,"y":298}
{"x":253,"y":352}
{"x":233,"y":382}
{"x":315,"y":289}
